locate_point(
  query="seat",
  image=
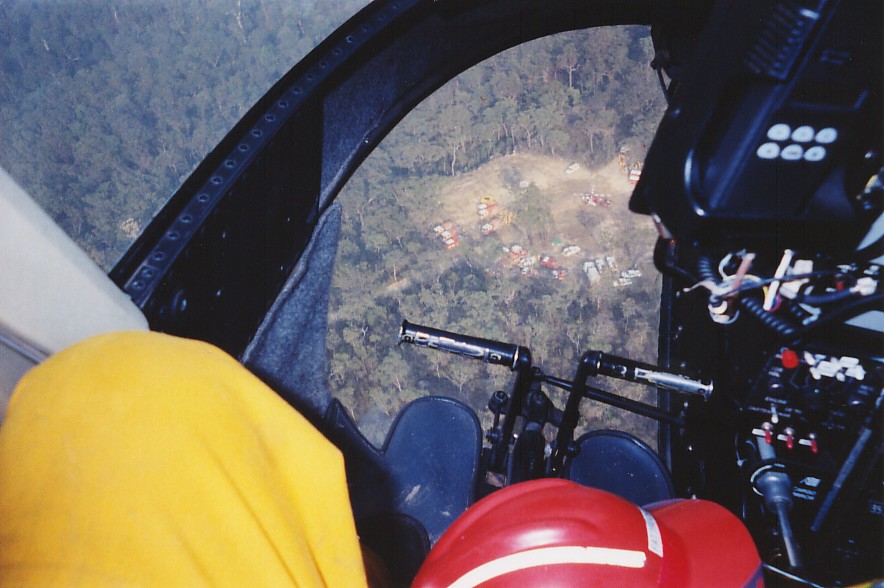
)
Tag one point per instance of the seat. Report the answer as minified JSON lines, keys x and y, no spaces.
{"x":621,"y":464}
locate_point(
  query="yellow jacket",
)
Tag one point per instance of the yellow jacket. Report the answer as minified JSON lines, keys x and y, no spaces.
{"x":143,"y":459}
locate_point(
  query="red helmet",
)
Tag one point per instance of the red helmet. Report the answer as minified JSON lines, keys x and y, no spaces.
{"x":557,"y":533}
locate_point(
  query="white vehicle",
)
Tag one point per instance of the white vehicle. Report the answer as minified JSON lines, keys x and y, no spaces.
{"x":572,"y":168}
{"x":570,"y":250}
{"x":527,"y":262}
{"x":591,"y":272}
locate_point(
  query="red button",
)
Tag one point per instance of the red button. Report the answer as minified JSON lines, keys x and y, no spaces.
{"x":789,"y":359}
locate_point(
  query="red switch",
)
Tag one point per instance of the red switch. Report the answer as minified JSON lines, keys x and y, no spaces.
{"x":789,"y":359}
{"x":790,"y":437}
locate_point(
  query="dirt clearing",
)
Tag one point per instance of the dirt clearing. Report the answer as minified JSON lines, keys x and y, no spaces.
{"x":598,"y":228}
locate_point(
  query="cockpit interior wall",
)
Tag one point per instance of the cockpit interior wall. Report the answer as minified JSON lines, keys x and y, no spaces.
{"x":288,"y":351}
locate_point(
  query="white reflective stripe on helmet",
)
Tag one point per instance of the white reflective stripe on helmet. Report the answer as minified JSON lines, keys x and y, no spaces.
{"x":655,"y":540}
{"x":545,"y":556}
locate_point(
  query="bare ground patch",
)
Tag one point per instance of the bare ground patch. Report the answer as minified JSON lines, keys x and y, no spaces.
{"x":599,"y":231}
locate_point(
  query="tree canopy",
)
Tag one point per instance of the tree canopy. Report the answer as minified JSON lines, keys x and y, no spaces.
{"x":106,"y":107}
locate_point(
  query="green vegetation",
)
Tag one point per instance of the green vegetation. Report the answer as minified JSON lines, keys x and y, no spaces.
{"x":106,"y":107}
{"x":582,"y":94}
{"x":508,"y":127}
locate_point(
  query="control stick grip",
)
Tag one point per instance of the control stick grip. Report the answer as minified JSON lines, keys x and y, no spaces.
{"x":487,"y":350}
{"x":621,"y":368}
{"x":776,"y":488}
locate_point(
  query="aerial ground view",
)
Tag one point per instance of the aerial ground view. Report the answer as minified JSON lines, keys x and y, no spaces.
{"x":496,"y":209}
{"x":505,"y":219}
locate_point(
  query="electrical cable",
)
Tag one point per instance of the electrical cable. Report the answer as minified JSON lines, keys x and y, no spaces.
{"x":848,"y":311}
{"x":790,"y":278}
{"x":827,"y":298}
{"x":723,"y":263}
{"x":754,"y":282}
{"x":797,"y":313}
{"x":781,"y":325}
{"x":706,"y":268}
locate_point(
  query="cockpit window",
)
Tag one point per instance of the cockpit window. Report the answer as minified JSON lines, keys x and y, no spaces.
{"x":498,"y":209}
{"x":106,"y":107}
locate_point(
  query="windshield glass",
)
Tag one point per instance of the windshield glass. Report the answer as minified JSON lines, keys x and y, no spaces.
{"x":106,"y":107}
{"x":498,"y":209}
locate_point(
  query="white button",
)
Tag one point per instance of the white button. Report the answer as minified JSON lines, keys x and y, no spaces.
{"x":803,"y":134}
{"x":815,"y":153}
{"x":826,"y":135}
{"x":847,"y":361}
{"x":792,"y":152}
{"x":768,"y":151}
{"x":779,"y":132}
{"x":827,"y":368}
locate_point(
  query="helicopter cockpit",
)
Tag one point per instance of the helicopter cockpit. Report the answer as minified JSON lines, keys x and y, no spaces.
{"x":763,"y":181}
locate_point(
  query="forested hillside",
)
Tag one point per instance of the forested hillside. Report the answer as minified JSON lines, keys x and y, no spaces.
{"x":106,"y":107}
{"x":582,"y":95}
{"x":507,"y":129}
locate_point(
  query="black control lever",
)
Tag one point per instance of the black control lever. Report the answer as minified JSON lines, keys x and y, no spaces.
{"x":775,"y":487}
{"x":487,"y":350}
